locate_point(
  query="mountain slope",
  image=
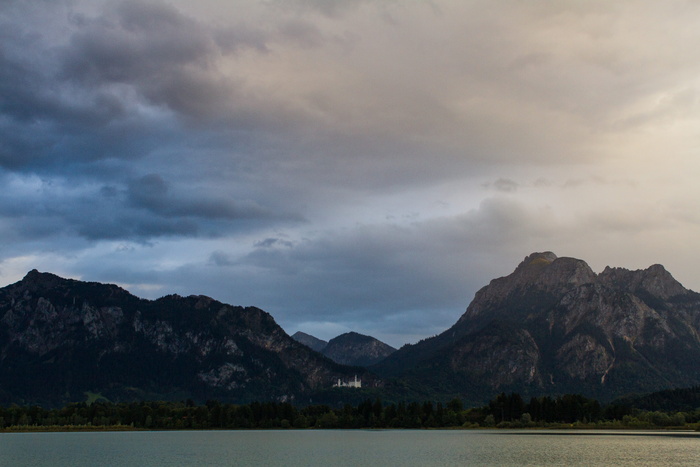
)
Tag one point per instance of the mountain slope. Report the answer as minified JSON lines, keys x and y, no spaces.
{"x":554,"y":326}
{"x":310,"y":341}
{"x":60,"y":338}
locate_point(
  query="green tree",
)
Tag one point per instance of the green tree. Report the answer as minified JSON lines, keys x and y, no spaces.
{"x":328,"y":420}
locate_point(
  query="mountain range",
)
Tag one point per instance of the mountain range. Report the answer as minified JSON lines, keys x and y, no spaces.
{"x":62,"y":340}
{"x":552,"y":326}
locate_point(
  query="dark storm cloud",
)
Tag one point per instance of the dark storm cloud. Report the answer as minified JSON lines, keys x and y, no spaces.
{"x":166,"y":58}
{"x":111,"y":85}
{"x":48,"y":210}
{"x":141,"y":210}
{"x":46,"y":122}
{"x":132,"y":42}
{"x":151,"y":192}
{"x":79,"y":106}
{"x":143,"y":46}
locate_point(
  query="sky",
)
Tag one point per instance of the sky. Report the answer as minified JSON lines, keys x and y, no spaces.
{"x":346,"y":165}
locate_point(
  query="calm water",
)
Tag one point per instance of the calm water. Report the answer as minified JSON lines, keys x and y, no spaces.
{"x":340,"y":447}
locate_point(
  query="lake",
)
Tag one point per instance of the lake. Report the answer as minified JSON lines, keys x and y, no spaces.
{"x":350,"y":448}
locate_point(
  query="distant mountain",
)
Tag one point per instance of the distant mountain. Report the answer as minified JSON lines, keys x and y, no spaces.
{"x":554,"y":326}
{"x":61,"y":339}
{"x":350,"y":348}
{"x":309,"y":341}
{"x":357,"y":349}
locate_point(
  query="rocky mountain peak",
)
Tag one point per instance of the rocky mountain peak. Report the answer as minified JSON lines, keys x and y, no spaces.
{"x":541,"y":259}
{"x":352,"y":336}
{"x":40,"y":280}
{"x":357,"y":349}
{"x":546,"y":269}
{"x":654,"y":280}
{"x":543,"y":273}
{"x":32,"y":275}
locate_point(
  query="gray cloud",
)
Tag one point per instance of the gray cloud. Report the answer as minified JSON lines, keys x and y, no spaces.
{"x":141,"y":210}
{"x":142,"y":45}
{"x":270,"y":242}
{"x":151,"y":192}
{"x":110,"y":88}
{"x":506,"y":185}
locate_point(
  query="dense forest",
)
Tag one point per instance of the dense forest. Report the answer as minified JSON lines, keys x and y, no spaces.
{"x":504,"y":411}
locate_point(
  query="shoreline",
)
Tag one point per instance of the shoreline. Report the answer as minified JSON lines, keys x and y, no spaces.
{"x":531,"y":430}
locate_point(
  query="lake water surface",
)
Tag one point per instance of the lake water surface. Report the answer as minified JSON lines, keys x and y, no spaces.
{"x":350,"y":448}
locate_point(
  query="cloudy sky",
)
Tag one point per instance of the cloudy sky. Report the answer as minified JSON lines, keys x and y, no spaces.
{"x":346,"y":165}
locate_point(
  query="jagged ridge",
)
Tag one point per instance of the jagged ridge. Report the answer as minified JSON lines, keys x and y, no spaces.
{"x":60,"y":338}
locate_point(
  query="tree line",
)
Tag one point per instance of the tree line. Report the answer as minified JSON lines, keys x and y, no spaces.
{"x":504,"y":411}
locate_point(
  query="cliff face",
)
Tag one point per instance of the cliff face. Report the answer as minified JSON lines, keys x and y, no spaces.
{"x":356,"y":349}
{"x":554,"y":326}
{"x":60,"y":338}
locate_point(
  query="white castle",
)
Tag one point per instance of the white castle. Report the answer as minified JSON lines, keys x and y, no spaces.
{"x":357,"y":383}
